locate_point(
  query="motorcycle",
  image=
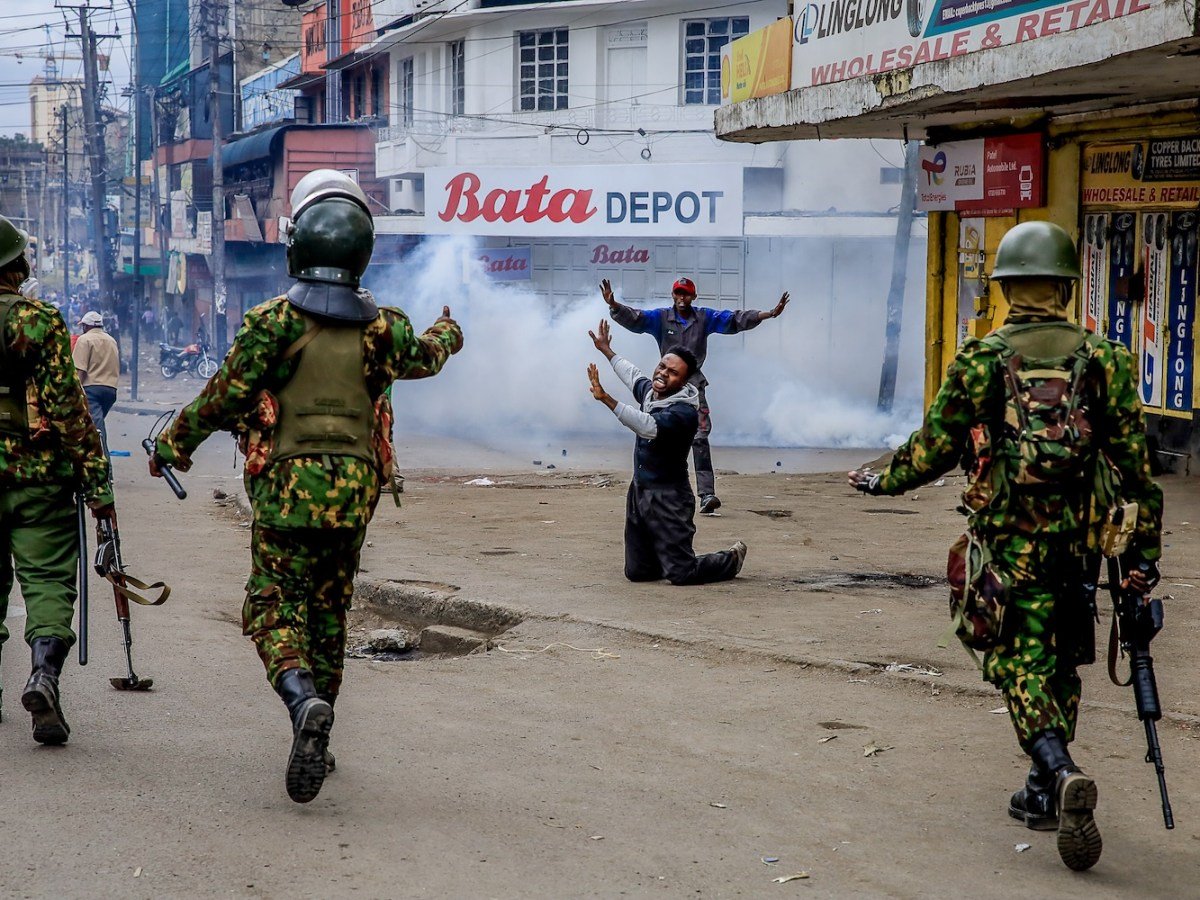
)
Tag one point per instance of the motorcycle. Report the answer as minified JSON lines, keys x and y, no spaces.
{"x":196,"y":359}
{"x":173,"y":360}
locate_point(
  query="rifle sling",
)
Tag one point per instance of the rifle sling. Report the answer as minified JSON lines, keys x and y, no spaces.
{"x":120,"y":582}
{"x":1113,"y":648}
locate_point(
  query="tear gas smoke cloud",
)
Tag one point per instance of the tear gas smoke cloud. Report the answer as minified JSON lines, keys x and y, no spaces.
{"x":522,"y":372}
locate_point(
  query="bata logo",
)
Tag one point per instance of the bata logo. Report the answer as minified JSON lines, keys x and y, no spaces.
{"x":467,"y":201}
{"x":533,"y":204}
{"x":496,"y":264}
{"x":603,"y":255}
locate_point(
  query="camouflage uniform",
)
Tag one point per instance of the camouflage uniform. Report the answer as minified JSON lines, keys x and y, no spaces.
{"x":60,"y":454}
{"x":310,"y":513}
{"x":49,"y":450}
{"x":1037,"y":536}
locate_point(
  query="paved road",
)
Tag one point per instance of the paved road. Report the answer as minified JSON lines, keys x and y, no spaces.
{"x":634,"y":765}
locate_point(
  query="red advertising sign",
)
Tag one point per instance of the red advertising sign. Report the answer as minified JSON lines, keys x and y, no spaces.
{"x":985,"y":177}
{"x":312,"y":48}
{"x":361,"y":25}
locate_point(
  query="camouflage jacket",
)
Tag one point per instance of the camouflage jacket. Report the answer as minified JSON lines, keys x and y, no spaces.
{"x":63,"y":446}
{"x":966,"y":410}
{"x":303,"y":492}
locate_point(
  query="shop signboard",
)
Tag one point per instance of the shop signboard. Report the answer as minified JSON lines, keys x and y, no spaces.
{"x":834,"y":40}
{"x":1163,"y":173}
{"x":501,"y":263}
{"x":1094,"y":266}
{"x":983,"y":177}
{"x":759,"y":64}
{"x":313,"y":51}
{"x":971,"y":282}
{"x":1120,"y":275}
{"x":1184,"y":233}
{"x":596,"y":201}
{"x":1151,"y":338}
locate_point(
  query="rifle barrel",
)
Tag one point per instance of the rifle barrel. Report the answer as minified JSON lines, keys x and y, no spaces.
{"x":1154,"y":756}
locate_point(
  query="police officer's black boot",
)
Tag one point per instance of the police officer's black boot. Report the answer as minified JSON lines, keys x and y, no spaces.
{"x":312,"y":718}
{"x":1035,"y":804}
{"x":330,"y":760}
{"x":41,"y":691}
{"x":1079,"y":842}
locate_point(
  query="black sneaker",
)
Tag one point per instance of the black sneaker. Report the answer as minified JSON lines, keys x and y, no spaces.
{"x":306,"y":768}
{"x":709,"y":504}
{"x":739,"y":550}
{"x":1079,"y":843}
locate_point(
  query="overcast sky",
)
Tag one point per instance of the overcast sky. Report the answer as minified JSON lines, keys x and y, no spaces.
{"x":22,"y":32}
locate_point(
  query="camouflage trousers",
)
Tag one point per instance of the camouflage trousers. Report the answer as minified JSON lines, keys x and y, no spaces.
{"x":1050,"y":632}
{"x":300,"y":585}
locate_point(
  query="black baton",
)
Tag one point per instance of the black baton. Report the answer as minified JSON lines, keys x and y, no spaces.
{"x":83,"y":581}
{"x":168,"y":473}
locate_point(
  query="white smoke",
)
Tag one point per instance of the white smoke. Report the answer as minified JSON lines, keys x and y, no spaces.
{"x":522,"y":372}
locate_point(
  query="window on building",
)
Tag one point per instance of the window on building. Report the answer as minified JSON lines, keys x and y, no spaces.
{"x":407,"y":90}
{"x":359,"y":100}
{"x":703,"y":40}
{"x":458,"y":77}
{"x":377,"y":93}
{"x":542,"y":63}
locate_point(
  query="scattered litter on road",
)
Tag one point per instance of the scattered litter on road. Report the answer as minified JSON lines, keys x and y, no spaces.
{"x":784,"y":879}
{"x":870,"y":612}
{"x":999,"y":710}
{"x":552,"y":466}
{"x":939,"y":482}
{"x":537,"y":462}
{"x":548,"y":521}
{"x":718,"y":805}
{"x":872,"y":750}
{"x":480,"y":482}
{"x":597,"y":652}
{"x":594,"y":837}
{"x":909,"y":669}
{"x":770,"y":860}
{"x":1020,"y":848}
{"x":858,"y":681}
{"x":827,"y":739}
{"x":137,"y":873}
{"x":1181,"y":584}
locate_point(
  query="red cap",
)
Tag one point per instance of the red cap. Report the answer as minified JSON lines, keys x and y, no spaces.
{"x":684,"y":285}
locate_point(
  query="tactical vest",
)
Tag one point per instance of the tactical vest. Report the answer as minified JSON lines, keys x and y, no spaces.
{"x":325,"y":408}
{"x":14,"y":417}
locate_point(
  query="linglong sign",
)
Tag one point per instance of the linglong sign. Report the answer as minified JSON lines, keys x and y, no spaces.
{"x":596,"y":201}
{"x":834,"y":40}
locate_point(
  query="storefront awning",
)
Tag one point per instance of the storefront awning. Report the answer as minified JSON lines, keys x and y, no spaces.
{"x":251,"y":147}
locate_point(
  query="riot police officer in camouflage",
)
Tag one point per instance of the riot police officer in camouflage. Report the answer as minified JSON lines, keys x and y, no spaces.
{"x":49,"y":452}
{"x":1046,"y":418}
{"x":305,"y":389}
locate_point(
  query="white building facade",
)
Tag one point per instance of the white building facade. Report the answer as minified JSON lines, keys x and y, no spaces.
{"x":576,"y":141}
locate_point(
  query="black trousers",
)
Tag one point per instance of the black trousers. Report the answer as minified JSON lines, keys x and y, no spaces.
{"x":659,"y":528}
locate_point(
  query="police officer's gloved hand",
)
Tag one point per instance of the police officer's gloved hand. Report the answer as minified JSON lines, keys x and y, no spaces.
{"x":1142,"y":574}
{"x":869,"y":486}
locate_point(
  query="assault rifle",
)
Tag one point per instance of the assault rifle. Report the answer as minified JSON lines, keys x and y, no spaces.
{"x":1136,"y":620}
{"x":108,"y":565}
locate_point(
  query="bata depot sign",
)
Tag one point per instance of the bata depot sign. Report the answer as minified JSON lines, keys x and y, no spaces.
{"x":833,"y":40}
{"x":596,"y":201}
{"x":984,"y":177}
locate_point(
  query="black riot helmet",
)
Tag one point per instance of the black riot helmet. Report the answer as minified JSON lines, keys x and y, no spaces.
{"x":332,"y":234}
{"x":330,"y":240}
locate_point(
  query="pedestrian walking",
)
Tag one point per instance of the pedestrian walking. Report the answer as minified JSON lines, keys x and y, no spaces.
{"x":1048,"y":415}
{"x":49,"y":452}
{"x":660,"y":507}
{"x":688,"y":326}
{"x":97,"y":359}
{"x":305,"y":387}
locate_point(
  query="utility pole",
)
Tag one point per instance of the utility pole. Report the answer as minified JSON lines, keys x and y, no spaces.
{"x":93,"y":139}
{"x":895,"y":300}
{"x":216,"y":12}
{"x":66,"y":203}
{"x":137,"y":214}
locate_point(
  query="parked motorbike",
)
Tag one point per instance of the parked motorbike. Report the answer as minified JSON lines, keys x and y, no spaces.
{"x":196,"y":359}
{"x":173,"y":360}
